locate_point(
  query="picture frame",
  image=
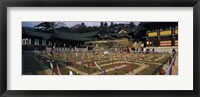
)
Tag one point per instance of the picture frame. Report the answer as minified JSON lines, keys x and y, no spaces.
{"x":103,"y":3}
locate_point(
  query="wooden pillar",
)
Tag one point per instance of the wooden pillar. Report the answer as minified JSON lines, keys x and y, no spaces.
{"x":158,"y":40}
{"x":32,"y":41}
{"x":173,"y":42}
{"x":173,"y":36}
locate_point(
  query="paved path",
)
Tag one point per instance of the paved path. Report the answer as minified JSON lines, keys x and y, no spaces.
{"x":159,"y":58}
{"x":156,"y":63}
{"x":118,"y":62}
{"x":75,"y":70}
{"x":137,"y":70}
{"x":108,"y":70}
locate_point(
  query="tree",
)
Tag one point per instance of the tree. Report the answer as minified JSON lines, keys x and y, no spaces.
{"x":83,"y":28}
{"x":49,"y":26}
{"x":80,"y":28}
{"x":111,"y":27}
{"x":140,"y":32}
{"x":59,"y":24}
{"x":103,"y":28}
{"x":92,"y":28}
{"x":132,"y":25}
{"x":44,"y":26}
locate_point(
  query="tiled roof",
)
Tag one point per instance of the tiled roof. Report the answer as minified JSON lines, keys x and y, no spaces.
{"x":74,"y":36}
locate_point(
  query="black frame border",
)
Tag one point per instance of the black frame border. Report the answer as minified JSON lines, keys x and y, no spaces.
{"x":99,"y":3}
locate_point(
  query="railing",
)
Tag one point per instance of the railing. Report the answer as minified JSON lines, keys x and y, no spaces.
{"x":170,"y":66}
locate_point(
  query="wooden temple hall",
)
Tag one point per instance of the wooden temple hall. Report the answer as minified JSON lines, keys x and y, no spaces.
{"x":33,"y":39}
{"x":59,"y":40}
{"x":160,"y":34}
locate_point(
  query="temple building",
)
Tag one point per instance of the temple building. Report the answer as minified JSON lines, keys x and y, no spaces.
{"x":111,"y":40}
{"x":160,"y":34}
{"x":33,"y":39}
{"x":113,"y":36}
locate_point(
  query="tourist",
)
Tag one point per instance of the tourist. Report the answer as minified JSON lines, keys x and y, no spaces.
{"x":51,"y":51}
{"x":173,"y":52}
{"x":94,"y":50}
{"x":174,"y":55}
{"x":147,"y":50}
{"x":153,"y":50}
{"x":144,"y":50}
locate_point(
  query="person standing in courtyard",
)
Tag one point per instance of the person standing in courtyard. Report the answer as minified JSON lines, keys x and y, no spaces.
{"x":153,"y":50}
{"x":51,"y":51}
{"x":173,"y":52}
{"x":174,"y":55}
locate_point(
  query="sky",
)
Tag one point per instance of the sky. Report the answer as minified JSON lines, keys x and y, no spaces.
{"x":72,"y":23}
